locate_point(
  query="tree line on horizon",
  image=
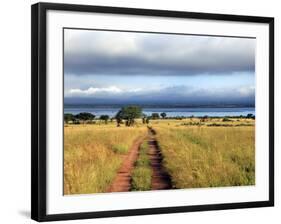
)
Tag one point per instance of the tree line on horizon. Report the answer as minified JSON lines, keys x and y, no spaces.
{"x":127,"y":114}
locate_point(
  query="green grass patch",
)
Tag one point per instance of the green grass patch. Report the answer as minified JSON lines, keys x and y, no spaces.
{"x":141,"y":178}
{"x":142,"y":174}
{"x":120,"y":148}
{"x":143,"y":159}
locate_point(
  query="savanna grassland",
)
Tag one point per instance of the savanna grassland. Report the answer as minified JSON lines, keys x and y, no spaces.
{"x":208,"y":156}
{"x":195,"y":153}
{"x":93,"y":153}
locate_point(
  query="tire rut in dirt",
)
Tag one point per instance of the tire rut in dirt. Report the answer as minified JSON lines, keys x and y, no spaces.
{"x":161,"y":180}
{"x":123,"y":178}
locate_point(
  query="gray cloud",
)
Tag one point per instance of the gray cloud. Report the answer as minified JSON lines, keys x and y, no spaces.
{"x":175,"y":94}
{"x":126,"y":53}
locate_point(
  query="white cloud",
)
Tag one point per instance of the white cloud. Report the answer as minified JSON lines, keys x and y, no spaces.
{"x":95,"y":91}
{"x":246,"y":90}
{"x":179,"y":92}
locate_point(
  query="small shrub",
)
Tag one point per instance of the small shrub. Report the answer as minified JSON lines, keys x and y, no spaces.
{"x":243,"y":124}
{"x":76,"y":121}
{"x":155,"y":116}
{"x":219,"y":125}
{"x":225,"y":119}
{"x":191,"y":123}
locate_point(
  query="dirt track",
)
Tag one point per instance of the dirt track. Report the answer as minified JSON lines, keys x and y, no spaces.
{"x":160,"y":178}
{"x":122,"y":181}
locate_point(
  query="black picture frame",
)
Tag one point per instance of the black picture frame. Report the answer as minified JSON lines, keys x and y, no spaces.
{"x":38,"y":108}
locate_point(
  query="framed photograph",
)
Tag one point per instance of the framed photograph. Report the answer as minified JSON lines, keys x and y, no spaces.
{"x":140,"y":111}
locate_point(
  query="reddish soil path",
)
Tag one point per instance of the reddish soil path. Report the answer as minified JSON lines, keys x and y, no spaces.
{"x":122,"y":181}
{"x":160,"y":178}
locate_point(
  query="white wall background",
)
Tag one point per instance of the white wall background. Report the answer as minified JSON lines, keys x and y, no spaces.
{"x":15,"y":110}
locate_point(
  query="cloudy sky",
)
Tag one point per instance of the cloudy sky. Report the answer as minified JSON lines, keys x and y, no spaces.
{"x":128,"y":67}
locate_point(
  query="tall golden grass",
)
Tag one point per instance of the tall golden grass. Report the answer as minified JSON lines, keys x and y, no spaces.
{"x":196,"y":154}
{"x":208,"y":156}
{"x":93,"y":154}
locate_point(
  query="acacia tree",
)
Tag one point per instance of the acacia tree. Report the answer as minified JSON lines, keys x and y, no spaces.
{"x":105,"y":118}
{"x":205,"y":118}
{"x":129,"y":113}
{"x":250,"y":116}
{"x":144,"y":118}
{"x":163,"y":115}
{"x":68,"y":117}
{"x":118,"y":117}
{"x":147,"y":120}
{"x":85,"y":116}
{"x":155,"y":116}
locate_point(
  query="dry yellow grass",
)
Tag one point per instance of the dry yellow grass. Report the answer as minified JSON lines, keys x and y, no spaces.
{"x":92,"y":156}
{"x":196,"y":154}
{"x":203,"y":156}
